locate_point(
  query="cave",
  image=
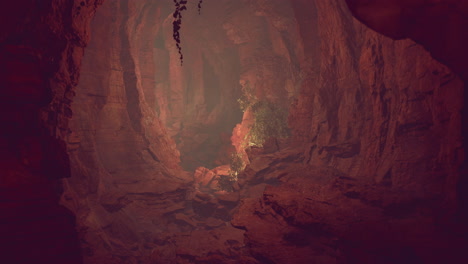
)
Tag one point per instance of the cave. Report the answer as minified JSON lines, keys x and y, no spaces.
{"x":281,"y":131}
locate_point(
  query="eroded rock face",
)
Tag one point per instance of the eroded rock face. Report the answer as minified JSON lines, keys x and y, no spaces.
{"x":197,"y":101}
{"x":440,"y":27}
{"x":122,"y":157}
{"x":135,"y":104}
{"x":41,"y":46}
{"x":379,"y":108}
{"x":369,"y":174}
{"x":136,"y":111}
{"x":299,"y":213}
{"x":379,"y":116}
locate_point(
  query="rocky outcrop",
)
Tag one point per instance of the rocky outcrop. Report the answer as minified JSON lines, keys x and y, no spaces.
{"x":135,"y":104}
{"x":437,"y":25}
{"x":381,"y":122}
{"x":136,"y":110}
{"x":379,"y":108}
{"x":41,"y":46}
{"x":369,"y":175}
{"x":299,"y":213}
{"x":440,"y":27}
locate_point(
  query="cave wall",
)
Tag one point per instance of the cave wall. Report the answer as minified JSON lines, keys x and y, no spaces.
{"x":124,"y":163}
{"x":196,"y":100}
{"x":374,"y":177}
{"x":269,"y":48}
{"x":379,"y":108}
{"x":376,"y":181}
{"x":439,"y":27}
{"x":41,"y":46}
{"x":232,"y":44}
{"x":375,"y":108}
{"x":136,"y":109}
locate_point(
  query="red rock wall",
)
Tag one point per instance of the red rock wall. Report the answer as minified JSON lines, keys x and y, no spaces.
{"x":41,"y":46}
{"x":379,"y":109}
{"x":367,"y":105}
{"x":371,"y":175}
{"x":375,"y":130}
{"x":377,"y":181}
{"x":131,"y":76}
{"x":123,"y":160}
{"x":197,"y":101}
{"x":440,"y":27}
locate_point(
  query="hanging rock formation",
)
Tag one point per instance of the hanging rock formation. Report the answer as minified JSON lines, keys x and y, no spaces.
{"x":437,"y":25}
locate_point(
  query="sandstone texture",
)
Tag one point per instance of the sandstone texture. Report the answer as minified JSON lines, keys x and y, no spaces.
{"x":368,"y":175}
{"x":386,"y":117}
{"x":121,"y":155}
{"x":41,"y":46}
{"x":439,"y":26}
{"x":135,"y":117}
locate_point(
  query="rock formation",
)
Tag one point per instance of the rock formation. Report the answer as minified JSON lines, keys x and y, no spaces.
{"x":376,"y":115}
{"x":439,"y":27}
{"x":42,"y":43}
{"x":372,"y":170}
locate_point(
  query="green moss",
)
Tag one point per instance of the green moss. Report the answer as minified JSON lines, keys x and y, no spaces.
{"x":247,"y":98}
{"x":236,"y":166}
{"x":270,"y":121}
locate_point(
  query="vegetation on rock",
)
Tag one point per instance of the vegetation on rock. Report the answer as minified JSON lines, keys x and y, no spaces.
{"x":270,"y":121}
{"x":180,"y":5}
{"x":247,"y":98}
{"x":236,"y":166}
